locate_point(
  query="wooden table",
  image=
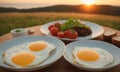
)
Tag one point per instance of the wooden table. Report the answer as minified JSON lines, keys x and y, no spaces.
{"x":61,"y":65}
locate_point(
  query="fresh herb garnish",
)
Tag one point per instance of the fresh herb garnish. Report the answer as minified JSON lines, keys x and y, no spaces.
{"x":72,"y":23}
{"x":18,"y":31}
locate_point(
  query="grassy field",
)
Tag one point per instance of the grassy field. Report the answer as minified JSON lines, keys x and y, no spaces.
{"x":10,"y":21}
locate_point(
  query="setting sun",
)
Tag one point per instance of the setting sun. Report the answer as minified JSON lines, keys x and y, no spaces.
{"x":88,"y":2}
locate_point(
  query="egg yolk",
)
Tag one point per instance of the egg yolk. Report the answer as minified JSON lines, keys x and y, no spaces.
{"x":88,"y":55}
{"x":23,"y":59}
{"x":37,"y":46}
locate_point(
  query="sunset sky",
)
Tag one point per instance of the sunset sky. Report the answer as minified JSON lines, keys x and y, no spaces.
{"x":35,"y":3}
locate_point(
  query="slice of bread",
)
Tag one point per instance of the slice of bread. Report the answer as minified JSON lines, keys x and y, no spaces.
{"x":116,"y":41}
{"x":108,"y":35}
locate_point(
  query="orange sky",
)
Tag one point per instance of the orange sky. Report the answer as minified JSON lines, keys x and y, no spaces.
{"x":73,"y":2}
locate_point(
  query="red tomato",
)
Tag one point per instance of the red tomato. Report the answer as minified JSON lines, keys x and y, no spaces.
{"x":71,"y":34}
{"x":51,"y":26}
{"x":57,"y":24}
{"x":54,"y":31}
{"x":67,"y":32}
{"x":60,"y":34}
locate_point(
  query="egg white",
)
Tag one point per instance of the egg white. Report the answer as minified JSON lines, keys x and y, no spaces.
{"x":48,"y":49}
{"x":40,"y":56}
{"x":105,"y":58}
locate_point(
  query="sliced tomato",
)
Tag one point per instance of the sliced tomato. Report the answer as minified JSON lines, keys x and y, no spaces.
{"x":54,"y":31}
{"x":61,"y":34}
{"x":67,"y":32}
{"x":72,"y":34}
{"x":51,"y":26}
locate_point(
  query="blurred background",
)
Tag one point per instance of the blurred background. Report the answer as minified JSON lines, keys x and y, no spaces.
{"x":27,"y":13}
{"x":23,"y":4}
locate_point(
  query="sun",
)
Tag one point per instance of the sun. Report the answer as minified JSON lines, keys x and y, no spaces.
{"x":88,"y":2}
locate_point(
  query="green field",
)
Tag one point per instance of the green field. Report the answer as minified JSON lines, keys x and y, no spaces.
{"x":10,"y":21}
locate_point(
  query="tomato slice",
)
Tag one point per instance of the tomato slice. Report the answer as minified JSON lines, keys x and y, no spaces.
{"x":54,"y":31}
{"x":61,"y":34}
{"x":72,"y":34}
{"x":51,"y":26}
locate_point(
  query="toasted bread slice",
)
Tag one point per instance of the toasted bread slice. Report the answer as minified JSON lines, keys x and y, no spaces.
{"x":116,"y":41}
{"x":109,"y":34}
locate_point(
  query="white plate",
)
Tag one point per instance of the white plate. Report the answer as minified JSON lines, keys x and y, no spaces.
{"x":97,"y":30}
{"x":54,"y":56}
{"x":115,"y":51}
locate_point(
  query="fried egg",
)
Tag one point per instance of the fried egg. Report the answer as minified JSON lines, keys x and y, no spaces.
{"x":92,"y":57}
{"x":40,"y":47}
{"x":28,"y":54}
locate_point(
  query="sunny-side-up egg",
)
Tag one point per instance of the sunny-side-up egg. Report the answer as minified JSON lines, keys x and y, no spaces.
{"x":92,"y":57}
{"x":28,"y":54}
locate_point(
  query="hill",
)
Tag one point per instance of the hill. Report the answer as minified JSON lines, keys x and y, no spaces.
{"x":94,"y":9}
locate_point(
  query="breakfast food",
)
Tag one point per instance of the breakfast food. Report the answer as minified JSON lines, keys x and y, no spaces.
{"x":92,"y":57}
{"x":70,"y":29}
{"x":116,"y":41}
{"x":108,"y":35}
{"x":28,"y":54}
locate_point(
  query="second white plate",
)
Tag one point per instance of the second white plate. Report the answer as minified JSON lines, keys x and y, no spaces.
{"x":97,"y":30}
{"x":115,"y":51}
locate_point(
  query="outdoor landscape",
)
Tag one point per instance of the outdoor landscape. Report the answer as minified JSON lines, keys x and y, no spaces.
{"x":10,"y":21}
{"x":105,"y":15}
{"x":93,"y":9}
{"x":59,"y":35}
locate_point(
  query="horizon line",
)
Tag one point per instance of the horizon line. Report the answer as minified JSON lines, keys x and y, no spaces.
{"x":49,"y":5}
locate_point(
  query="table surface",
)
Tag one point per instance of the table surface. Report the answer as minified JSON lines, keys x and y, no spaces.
{"x":61,"y":65}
